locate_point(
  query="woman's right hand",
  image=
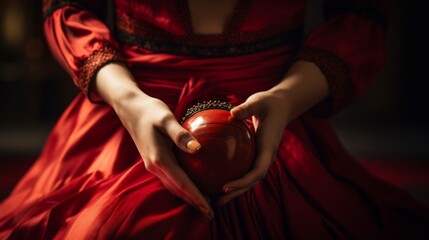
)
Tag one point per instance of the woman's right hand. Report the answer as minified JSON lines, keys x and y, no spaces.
{"x":153,"y":127}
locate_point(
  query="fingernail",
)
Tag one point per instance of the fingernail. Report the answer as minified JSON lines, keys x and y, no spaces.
{"x":193,"y":146}
{"x":228,"y":189}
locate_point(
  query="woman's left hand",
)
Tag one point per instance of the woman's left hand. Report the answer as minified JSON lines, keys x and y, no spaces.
{"x":270,"y":117}
{"x":303,"y":86}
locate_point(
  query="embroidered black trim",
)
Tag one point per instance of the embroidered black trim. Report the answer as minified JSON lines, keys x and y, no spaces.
{"x":364,"y":10}
{"x":90,"y":66}
{"x":208,"y":48}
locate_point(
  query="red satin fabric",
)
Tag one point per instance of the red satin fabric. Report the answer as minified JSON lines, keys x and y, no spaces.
{"x":90,"y":182}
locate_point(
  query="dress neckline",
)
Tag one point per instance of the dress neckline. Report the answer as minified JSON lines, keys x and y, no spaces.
{"x":233,"y":41}
{"x":232,"y":25}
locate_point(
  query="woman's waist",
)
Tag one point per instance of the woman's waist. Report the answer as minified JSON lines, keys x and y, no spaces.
{"x":164,"y":75}
{"x":170,"y":91}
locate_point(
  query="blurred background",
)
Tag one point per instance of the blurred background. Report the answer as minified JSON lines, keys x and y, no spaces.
{"x":386,"y":129}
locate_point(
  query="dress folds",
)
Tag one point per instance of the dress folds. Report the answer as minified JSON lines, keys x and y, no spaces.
{"x":89,"y":182}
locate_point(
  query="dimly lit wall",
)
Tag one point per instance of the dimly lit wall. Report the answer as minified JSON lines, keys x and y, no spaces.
{"x":391,"y":118}
{"x":399,"y":94}
{"x":33,"y":88}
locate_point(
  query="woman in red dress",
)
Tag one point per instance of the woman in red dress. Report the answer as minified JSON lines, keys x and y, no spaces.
{"x":108,"y":170}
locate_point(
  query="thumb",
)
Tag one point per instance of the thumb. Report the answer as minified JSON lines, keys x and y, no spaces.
{"x":182,"y":138}
{"x":245,"y":110}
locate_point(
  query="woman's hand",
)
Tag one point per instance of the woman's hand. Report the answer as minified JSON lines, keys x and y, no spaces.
{"x":269,"y":120}
{"x":303,"y":86}
{"x":154,"y":129}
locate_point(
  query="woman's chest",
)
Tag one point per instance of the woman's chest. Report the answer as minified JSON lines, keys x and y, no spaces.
{"x":204,"y":17}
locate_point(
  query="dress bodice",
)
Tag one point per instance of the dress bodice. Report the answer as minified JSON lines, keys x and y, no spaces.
{"x":83,"y":43}
{"x":168,"y":27}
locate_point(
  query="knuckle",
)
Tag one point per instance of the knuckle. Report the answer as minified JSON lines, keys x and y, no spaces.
{"x":153,"y":165}
{"x":157,"y":162}
{"x":163,"y":119}
{"x":181,"y":136}
{"x":250,"y":105}
{"x":253,"y":98}
{"x":246,"y":109}
{"x":149,"y":167}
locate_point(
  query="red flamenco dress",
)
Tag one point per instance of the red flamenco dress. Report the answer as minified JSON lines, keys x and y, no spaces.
{"x":90,"y":182}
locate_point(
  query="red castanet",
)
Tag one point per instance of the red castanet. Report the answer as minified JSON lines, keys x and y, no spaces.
{"x":227,"y":152}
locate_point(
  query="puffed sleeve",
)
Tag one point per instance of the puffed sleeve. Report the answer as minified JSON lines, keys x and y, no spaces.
{"x":349,"y":48}
{"x":79,"y":39}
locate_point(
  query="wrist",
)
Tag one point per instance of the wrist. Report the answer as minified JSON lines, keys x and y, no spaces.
{"x":116,"y":86}
{"x":284,"y":100}
{"x":302,"y":87}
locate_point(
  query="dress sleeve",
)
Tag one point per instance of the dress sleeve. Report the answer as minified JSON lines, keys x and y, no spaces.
{"x":79,"y":39}
{"x":349,"y":48}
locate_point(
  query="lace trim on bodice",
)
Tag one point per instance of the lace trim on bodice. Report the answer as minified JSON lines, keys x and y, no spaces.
{"x":232,"y":42}
{"x":211,"y":46}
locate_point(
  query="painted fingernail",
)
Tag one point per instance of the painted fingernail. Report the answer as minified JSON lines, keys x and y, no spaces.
{"x":193,"y":146}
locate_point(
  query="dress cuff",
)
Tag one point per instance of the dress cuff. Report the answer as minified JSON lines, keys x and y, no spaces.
{"x":91,"y":65}
{"x":338,"y":76}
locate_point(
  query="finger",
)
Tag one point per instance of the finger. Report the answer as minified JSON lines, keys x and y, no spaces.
{"x":181,"y":137}
{"x":246,"y":110}
{"x":186,"y":189}
{"x":224,"y":199}
{"x":243,"y":184}
{"x":267,"y":145}
{"x":163,"y":164}
{"x":171,"y":186}
{"x":249,"y":179}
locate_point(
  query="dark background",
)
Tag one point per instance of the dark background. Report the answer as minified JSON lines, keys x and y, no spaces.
{"x":389,"y":123}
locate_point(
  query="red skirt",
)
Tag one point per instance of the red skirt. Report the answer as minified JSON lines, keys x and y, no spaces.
{"x":90,"y":182}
